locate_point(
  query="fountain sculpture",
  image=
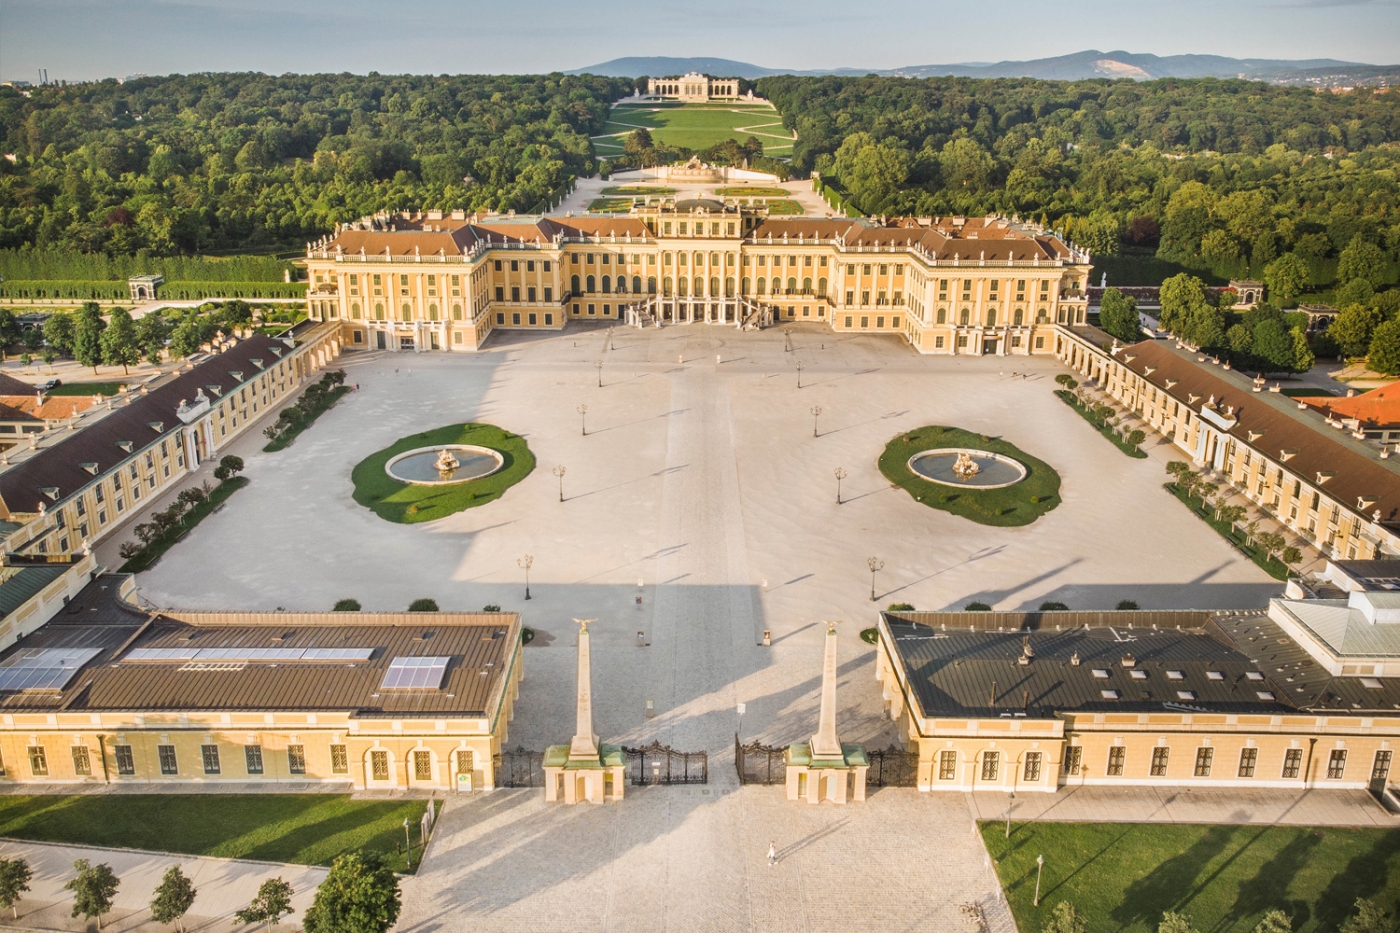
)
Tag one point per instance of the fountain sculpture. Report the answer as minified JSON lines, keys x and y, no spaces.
{"x":964,"y":468}
{"x":446,"y":463}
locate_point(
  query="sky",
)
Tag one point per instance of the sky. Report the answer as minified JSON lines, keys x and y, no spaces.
{"x":92,"y":39}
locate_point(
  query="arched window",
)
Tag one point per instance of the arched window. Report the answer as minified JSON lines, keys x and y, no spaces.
{"x":607,"y":285}
{"x":792,"y":286}
{"x":651,"y":285}
{"x":407,"y":312}
{"x":1042,"y":316}
{"x":573,"y":285}
{"x":991,"y":317}
{"x":456,"y":312}
{"x":821,"y":288}
{"x":746,"y":285}
{"x":729,"y":287}
{"x":681,"y":285}
{"x":807,"y":286}
{"x":378,"y":311}
{"x":622,"y":284}
{"x":942,"y":315}
{"x":355,"y":310}
{"x":432,"y":312}
{"x":1020,"y":317}
{"x":762,"y":285}
{"x":714,"y":286}
{"x":592,"y":285}
{"x":699,"y":287}
{"x":637,"y":284}
{"x":777,"y":285}
{"x":966,"y":316}
{"x":667,"y":286}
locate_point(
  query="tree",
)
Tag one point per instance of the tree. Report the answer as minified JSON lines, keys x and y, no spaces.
{"x":346,"y":605}
{"x":1275,"y":921}
{"x":977,"y":607}
{"x":1362,"y":260}
{"x":1353,"y":329}
{"x":1118,"y":315}
{"x":1173,"y":922}
{"x":93,"y":888}
{"x":229,"y":465}
{"x":1271,"y":541}
{"x":33,"y":339}
{"x":87,"y":335}
{"x":1369,"y":918}
{"x":1286,"y":277}
{"x":1291,"y":555}
{"x":1065,"y":919}
{"x":1231,"y":514}
{"x":1303,"y":358}
{"x":359,"y":895}
{"x":119,"y":344}
{"x":1273,"y":347}
{"x":1066,"y":380}
{"x":1127,"y":605}
{"x":1135,"y":438}
{"x":272,"y":902}
{"x":1384,"y":355}
{"x":9,"y":331}
{"x":173,"y":898}
{"x":58,"y":331}
{"x":1053,"y":606}
{"x":423,"y":604}
{"x":15,"y":875}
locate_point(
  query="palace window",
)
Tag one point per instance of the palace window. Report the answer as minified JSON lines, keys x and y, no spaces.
{"x":82,"y":761}
{"x":1032,"y":768}
{"x":947,"y":765}
{"x":253,"y":758}
{"x":1249,"y":757}
{"x":1337,"y":764}
{"x":126,"y":762}
{"x":1116,"y":756}
{"x":340,"y":762}
{"x":422,"y":766}
{"x":168,"y":763}
{"x":38,"y":761}
{"x":296,"y":759}
{"x":209,"y":754}
{"x":991,"y":762}
{"x":465,"y":764}
{"x":1204,"y":756}
{"x":1380,"y":766}
{"x":1160,"y":754}
{"x":1292,"y":762}
{"x":379,"y":765}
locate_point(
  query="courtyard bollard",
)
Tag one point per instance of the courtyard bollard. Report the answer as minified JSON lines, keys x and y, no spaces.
{"x":651,"y":709}
{"x":767,"y":638}
{"x":641,"y":639}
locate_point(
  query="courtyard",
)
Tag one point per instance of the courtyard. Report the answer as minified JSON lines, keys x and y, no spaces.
{"x":700,"y":511}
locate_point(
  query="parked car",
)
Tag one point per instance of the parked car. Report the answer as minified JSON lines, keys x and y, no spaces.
{"x":50,"y":385}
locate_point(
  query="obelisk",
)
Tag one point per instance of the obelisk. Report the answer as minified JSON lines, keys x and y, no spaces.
{"x":825,"y":744}
{"x":584,"y":746}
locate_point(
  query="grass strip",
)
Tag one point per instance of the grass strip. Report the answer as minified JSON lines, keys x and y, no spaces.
{"x":303,"y":829}
{"x":285,"y":439}
{"x":394,"y":501}
{"x":1020,"y":504}
{"x":1107,"y":431}
{"x":1123,"y":877}
{"x":1270,"y":565}
{"x":628,"y":191}
{"x":158,"y":546}
{"x":86,"y":388}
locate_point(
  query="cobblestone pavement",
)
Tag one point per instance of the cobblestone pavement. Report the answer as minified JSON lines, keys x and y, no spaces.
{"x":1190,"y":805}
{"x":224,"y":886}
{"x":694,"y":859}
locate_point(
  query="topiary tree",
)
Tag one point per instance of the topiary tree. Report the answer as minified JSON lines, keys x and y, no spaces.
{"x":1127,"y":605}
{"x":1052,"y":606}
{"x":423,"y":604}
{"x":1065,"y":919}
{"x":1291,"y":555}
{"x":977,"y":607}
{"x":900,"y":607}
{"x":1369,"y":918}
{"x":346,"y":605}
{"x":1066,"y":380}
{"x":93,"y":888}
{"x":229,"y":465}
{"x":272,"y":902}
{"x":173,"y":898}
{"x":490,"y":607}
{"x":359,"y":895}
{"x":15,"y":875}
{"x":1135,"y":438}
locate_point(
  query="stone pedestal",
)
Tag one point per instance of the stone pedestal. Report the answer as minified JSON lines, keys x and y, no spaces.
{"x":584,"y":771}
{"x":837,"y":779}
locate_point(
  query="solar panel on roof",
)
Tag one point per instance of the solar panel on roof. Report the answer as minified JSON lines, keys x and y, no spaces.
{"x":249,"y":654}
{"x":44,"y":668}
{"x":415,"y":673}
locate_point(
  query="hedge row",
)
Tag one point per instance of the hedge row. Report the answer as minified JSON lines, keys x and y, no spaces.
{"x":118,"y":291}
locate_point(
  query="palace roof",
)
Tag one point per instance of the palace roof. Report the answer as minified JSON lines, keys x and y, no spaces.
{"x":137,"y":421}
{"x":1379,"y":408}
{"x":1348,"y":472}
{"x":215,"y":661}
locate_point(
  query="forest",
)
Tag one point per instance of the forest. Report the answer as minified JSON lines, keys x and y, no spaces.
{"x":217,"y":162}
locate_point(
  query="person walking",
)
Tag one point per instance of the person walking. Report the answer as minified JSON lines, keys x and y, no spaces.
{"x":772,"y":853}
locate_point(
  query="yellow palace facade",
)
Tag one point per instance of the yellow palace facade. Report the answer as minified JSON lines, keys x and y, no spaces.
{"x":446,"y":281}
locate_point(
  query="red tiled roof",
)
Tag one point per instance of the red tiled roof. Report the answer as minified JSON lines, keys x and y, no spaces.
{"x":1379,"y":408}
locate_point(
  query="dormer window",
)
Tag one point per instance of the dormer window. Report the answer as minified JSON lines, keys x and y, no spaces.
{"x":217,"y":390}
{"x":51,"y":492}
{"x":257,"y":363}
{"x":90,"y":467}
{"x":157,"y":426}
{"x":1287,"y":454}
{"x":126,"y":446}
{"x":236,"y":374}
{"x":1324,"y":475}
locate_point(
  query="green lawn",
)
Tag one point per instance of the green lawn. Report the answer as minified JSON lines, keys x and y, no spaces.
{"x":403,"y":502}
{"x":610,"y":205}
{"x":1270,"y":565}
{"x":1012,"y":505}
{"x":739,"y":191}
{"x":86,"y":388}
{"x":306,"y":829}
{"x":696,"y":126}
{"x":630,"y":191}
{"x":1225,"y":878}
{"x":783,"y":207}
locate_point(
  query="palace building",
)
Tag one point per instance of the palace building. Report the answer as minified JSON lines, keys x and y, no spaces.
{"x":446,"y":281}
{"x":1036,"y":701}
{"x":693,"y":88}
{"x":109,"y":692}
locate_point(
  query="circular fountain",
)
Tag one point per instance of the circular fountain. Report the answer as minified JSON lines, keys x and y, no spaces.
{"x":444,"y":465}
{"x":960,"y":466}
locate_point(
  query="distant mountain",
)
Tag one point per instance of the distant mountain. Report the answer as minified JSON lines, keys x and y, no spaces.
{"x":1321,"y":72}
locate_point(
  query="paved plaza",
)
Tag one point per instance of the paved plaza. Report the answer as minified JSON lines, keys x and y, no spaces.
{"x":700,"y":480}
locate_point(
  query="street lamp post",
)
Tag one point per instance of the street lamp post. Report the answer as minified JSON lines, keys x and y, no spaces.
{"x":407,"y":843}
{"x":525,"y":563}
{"x":583,"y":419}
{"x":816,"y":413}
{"x":598,"y":365}
{"x":840,"y":474}
{"x":559,"y":472}
{"x":610,"y":338}
{"x":1010,"y":802}
{"x":799,"y":374}
{"x":875,"y":565}
{"x":787,"y":341}
{"x":1039,"y":869}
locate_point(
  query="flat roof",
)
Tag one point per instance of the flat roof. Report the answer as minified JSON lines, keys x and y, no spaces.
{"x":480,"y":648}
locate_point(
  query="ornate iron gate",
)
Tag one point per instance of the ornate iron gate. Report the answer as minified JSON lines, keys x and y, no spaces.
{"x":892,"y":767}
{"x":760,"y":764}
{"x":661,"y":764}
{"x":519,"y":768}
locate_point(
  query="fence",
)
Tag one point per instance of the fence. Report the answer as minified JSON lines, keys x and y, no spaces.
{"x":661,"y":764}
{"x":760,"y":764}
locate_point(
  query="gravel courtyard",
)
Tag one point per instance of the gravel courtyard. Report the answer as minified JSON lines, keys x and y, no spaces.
{"x":700,"y":479}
